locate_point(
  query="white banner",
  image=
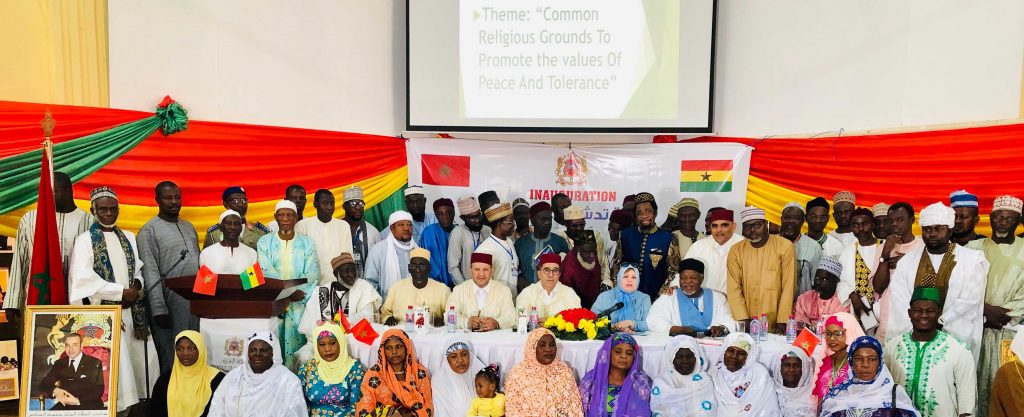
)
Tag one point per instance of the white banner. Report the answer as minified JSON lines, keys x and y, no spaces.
{"x":596,"y":177}
{"x":225,"y":340}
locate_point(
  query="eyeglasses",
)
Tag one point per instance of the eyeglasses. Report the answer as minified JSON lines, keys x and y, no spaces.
{"x":550,"y":271}
{"x":356,"y":203}
{"x":238,"y":200}
{"x":836,"y":335}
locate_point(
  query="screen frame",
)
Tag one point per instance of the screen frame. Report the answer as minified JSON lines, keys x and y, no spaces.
{"x":552,"y":129}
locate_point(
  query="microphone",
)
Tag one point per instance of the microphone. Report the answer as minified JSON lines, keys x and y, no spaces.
{"x":618,"y":306}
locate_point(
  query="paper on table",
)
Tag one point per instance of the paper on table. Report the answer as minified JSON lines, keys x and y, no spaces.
{"x":868,"y":320}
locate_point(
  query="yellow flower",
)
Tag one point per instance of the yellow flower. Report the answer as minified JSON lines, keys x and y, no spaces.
{"x":561,"y":325}
{"x":569,"y":327}
{"x":604,"y":321}
{"x":591,"y":334}
{"x":550,"y":322}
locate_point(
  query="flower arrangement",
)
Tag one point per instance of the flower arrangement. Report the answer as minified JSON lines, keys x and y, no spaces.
{"x":578,"y":324}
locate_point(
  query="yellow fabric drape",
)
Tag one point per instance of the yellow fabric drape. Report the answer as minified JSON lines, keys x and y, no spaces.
{"x":54,"y":51}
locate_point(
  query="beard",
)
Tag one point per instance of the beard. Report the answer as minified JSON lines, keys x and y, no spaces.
{"x":108,"y":226}
{"x":475,"y":228}
{"x":418,"y":217}
{"x":1001,"y":235}
{"x":758,"y":240}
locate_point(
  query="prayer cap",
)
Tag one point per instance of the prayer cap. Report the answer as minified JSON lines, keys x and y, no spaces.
{"x":443,"y":202}
{"x":793,"y":204}
{"x":690,"y":264}
{"x":550,"y":258}
{"x":817,"y":202}
{"x":862,"y":211}
{"x":962,"y":198}
{"x":629,"y":199}
{"x":420,"y":253}
{"x":539,"y":207}
{"x":101,"y":192}
{"x":585,"y":237}
{"x":498,"y":212}
{"x":353,"y":193}
{"x":519,"y":202}
{"x":1007,"y":202}
{"x":880,"y":209}
{"x":927,"y":293}
{"x":830,"y":265}
{"x":645,"y":198}
{"x":344,"y":258}
{"x":234,"y":189}
{"x":468,"y":205}
{"x":399,"y":216}
{"x":752,"y":213}
{"x":227,"y":213}
{"x":621,"y":217}
{"x":487,"y":199}
{"x":414,"y":190}
{"x":844,"y":197}
{"x":285,"y":204}
{"x":721,"y":214}
{"x":686,"y":202}
{"x":480,"y":258}
{"x":573,"y":212}
{"x":937,"y":214}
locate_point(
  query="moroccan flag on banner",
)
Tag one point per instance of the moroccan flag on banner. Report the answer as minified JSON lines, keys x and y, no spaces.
{"x":47,"y":271}
{"x":450,"y":170}
{"x":705,"y":176}
{"x":364,"y":332}
{"x":807,"y":341}
{"x":206,"y":282}
{"x":252,"y":277}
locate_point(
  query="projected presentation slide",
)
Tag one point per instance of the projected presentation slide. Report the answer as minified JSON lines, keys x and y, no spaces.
{"x":551,"y":65}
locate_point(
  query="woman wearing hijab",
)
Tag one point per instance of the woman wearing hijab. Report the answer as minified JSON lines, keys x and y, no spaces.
{"x":742,"y":385}
{"x":541,"y":385}
{"x":870,"y":392}
{"x":261,"y":386}
{"x":332,"y":379}
{"x":841,"y":329}
{"x":186,"y":391}
{"x":793,"y":374}
{"x":457,"y":377}
{"x":398,"y":385}
{"x":617,"y":385}
{"x":684,"y":389}
{"x":632,"y":317}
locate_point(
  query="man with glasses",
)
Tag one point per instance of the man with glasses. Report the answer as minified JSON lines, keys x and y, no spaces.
{"x":548,"y":295}
{"x":502,"y":249}
{"x":364,"y":235}
{"x":761,"y":273}
{"x":234,"y":199}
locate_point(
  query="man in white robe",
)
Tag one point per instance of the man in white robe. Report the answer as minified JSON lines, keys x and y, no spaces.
{"x":331,"y":236}
{"x":860,"y":261}
{"x":71,"y":222}
{"x":120,"y":284}
{"x":388,"y":260}
{"x":228,"y":256}
{"x":354,"y":296}
{"x":548,"y":294}
{"x":713,"y":250}
{"x":710,"y":314}
{"x":958,"y":272}
{"x":416,"y":205}
{"x":465,"y":238}
{"x":502,"y":249}
{"x":843,"y":204}
{"x":483,"y":304}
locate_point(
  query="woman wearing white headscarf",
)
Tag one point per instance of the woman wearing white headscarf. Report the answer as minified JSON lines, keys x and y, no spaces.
{"x":794,"y":390}
{"x":457,"y":378}
{"x":261,"y":386}
{"x":684,"y":389}
{"x":742,"y":385}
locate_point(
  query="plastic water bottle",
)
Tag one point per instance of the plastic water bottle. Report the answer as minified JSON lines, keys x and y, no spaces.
{"x":820,"y":329}
{"x":409,"y":325}
{"x":765,"y":328}
{"x":450,"y":319}
{"x":791,"y":329}
{"x":755,"y":328}
{"x":534,"y":319}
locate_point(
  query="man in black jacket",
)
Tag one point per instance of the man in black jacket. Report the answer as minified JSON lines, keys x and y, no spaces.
{"x":75,"y":381}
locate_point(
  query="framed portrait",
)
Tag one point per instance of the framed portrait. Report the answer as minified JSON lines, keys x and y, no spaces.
{"x":9,"y":366}
{"x":70,"y":356}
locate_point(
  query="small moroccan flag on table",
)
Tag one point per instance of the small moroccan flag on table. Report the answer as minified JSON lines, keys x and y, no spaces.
{"x":807,"y":341}
{"x":705,"y":176}
{"x":252,"y":277}
{"x":206,"y":282}
{"x":364,"y":332}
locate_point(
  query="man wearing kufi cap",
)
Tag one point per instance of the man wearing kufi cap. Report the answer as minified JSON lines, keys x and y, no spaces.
{"x":548,"y":295}
{"x":576,"y":223}
{"x":296,"y":194}
{"x":483,"y":304}
{"x":937,"y":367}
{"x":330,"y":235}
{"x":435,"y":239}
{"x":965,"y":205}
{"x":881,"y":214}
{"x":958,"y":273}
{"x":1004,"y":290}
{"x":761,"y":272}
{"x":106,"y":269}
{"x":465,"y":238}
{"x":416,"y":290}
{"x":521,"y":215}
{"x":364,"y":234}
{"x":685,"y":233}
{"x":860,"y":263}
{"x":505,"y":263}
{"x":714,"y":250}
{"x":646,"y":245}
{"x":816,"y":214}
{"x":416,"y":205}
{"x":843,"y":204}
{"x":388,"y":260}
{"x":692,"y":308}
{"x":823,"y":300}
{"x":581,"y":269}
{"x":540,"y":241}
{"x":228,"y":256}
{"x":353,"y":296}
{"x":234,"y":198}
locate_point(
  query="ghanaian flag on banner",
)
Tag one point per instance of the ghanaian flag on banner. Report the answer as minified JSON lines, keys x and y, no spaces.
{"x":705,"y":176}
{"x":252,"y":277}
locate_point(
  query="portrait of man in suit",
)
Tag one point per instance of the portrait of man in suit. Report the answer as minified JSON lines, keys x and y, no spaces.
{"x":75,"y":381}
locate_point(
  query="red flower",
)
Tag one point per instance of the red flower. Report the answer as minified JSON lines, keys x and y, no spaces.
{"x":576,"y":314}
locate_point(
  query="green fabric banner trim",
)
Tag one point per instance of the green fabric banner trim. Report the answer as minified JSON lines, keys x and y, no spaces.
{"x":78,"y":158}
{"x":379,"y":213}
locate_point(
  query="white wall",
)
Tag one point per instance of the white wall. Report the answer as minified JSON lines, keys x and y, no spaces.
{"x":783,"y":66}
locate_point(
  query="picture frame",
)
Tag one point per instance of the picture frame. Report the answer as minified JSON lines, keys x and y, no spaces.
{"x":9,"y":365}
{"x":50,"y":386}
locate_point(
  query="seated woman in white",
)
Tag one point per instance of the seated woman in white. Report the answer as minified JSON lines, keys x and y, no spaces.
{"x":691,"y":309}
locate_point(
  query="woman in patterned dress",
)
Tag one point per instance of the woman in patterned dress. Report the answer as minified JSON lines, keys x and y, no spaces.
{"x":332,"y":379}
{"x":398,"y":385}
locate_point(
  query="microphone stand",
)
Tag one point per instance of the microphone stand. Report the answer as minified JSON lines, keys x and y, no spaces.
{"x":149,"y":318}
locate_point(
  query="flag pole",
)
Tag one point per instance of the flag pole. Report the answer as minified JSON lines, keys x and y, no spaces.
{"x":48,"y":124}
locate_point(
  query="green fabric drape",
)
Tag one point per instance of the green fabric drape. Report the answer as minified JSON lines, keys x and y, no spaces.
{"x":379,"y":213}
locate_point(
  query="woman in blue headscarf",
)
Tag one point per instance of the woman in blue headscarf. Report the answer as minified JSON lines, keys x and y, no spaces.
{"x":617,"y":386}
{"x":632,"y":317}
{"x":871,"y":391}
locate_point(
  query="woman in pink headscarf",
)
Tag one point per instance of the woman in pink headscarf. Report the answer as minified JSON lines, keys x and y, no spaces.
{"x":841,"y":329}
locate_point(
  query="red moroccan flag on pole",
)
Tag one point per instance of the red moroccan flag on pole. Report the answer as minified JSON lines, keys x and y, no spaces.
{"x":47,"y":285}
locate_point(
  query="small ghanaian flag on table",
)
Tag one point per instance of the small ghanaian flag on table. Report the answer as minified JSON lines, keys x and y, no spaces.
{"x":252,"y":277}
{"x":705,"y":176}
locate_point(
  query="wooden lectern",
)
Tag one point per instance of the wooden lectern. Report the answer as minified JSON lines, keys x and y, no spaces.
{"x":232,"y":301}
